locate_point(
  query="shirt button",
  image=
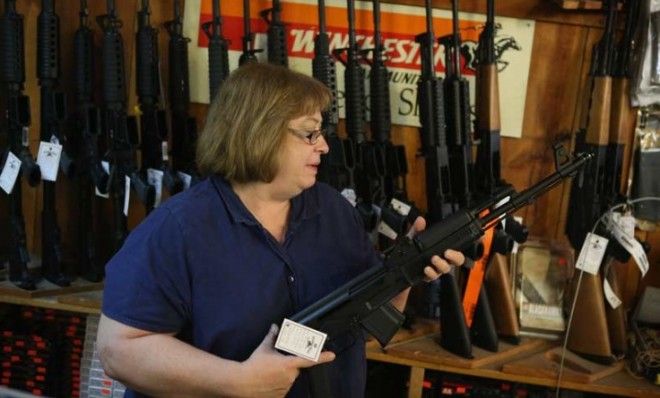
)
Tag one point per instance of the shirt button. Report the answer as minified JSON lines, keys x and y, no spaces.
{"x":291,"y":279}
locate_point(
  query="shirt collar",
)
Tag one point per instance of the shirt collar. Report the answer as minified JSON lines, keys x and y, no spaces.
{"x":303,"y":206}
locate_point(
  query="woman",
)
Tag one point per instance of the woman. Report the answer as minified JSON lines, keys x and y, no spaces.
{"x":192,"y":299}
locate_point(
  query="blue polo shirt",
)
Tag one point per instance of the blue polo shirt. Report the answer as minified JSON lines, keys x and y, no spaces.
{"x":203,"y":267}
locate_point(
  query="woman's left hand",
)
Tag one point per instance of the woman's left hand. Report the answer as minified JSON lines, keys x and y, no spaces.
{"x":439,"y":265}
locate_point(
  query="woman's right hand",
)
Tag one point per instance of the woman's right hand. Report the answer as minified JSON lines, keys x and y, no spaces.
{"x":269,"y":373}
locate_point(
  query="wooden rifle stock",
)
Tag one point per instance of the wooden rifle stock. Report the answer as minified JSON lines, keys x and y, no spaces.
{"x":498,"y":286}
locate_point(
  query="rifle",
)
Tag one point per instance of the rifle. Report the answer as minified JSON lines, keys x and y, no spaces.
{"x":277,"y":43}
{"x":52,"y":115}
{"x":249,"y":51}
{"x":369,"y":162}
{"x":153,"y":124}
{"x":184,"y":126}
{"x":120,"y":129}
{"x":488,"y":180}
{"x":87,"y":124}
{"x":16,"y":120}
{"x":392,"y":183}
{"x":364,"y":302}
{"x":336,"y":167}
{"x":589,"y":335}
{"x":218,"y":47}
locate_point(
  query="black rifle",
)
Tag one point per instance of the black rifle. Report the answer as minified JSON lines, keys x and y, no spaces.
{"x":336,"y":167}
{"x":369,"y":162}
{"x":249,"y":51}
{"x":184,"y":126}
{"x":392,"y":182}
{"x":364,"y":302}
{"x":16,"y":121}
{"x":87,"y":124}
{"x":488,"y":181}
{"x":153,"y":121}
{"x":277,"y":43}
{"x":52,"y":115}
{"x":120,"y":129}
{"x":218,"y":47}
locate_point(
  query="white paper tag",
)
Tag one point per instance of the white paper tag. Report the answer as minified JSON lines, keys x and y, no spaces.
{"x":516,"y":245}
{"x":610,"y":296}
{"x":592,"y":253}
{"x":400,"y":207}
{"x":627,"y":223}
{"x":164,"y":151}
{"x":155,"y":178}
{"x":629,"y":243}
{"x":48,"y":160}
{"x":300,"y":340}
{"x":186,"y":178}
{"x":350,"y":195}
{"x":127,"y":194}
{"x":386,"y":230}
{"x":10,"y":172}
{"x":106,"y":167}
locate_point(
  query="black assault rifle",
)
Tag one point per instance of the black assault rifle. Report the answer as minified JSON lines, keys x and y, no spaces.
{"x":120,"y":129}
{"x":16,"y":120}
{"x":364,"y":302}
{"x":277,"y":43}
{"x":249,"y":52}
{"x":87,"y":125}
{"x":184,"y":126}
{"x":337,"y":166}
{"x":153,"y":121}
{"x":51,"y":116}
{"x":218,"y":47}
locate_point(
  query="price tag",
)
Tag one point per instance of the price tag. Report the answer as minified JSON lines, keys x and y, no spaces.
{"x":611,"y":297}
{"x":48,"y":160}
{"x":10,"y":173}
{"x":350,"y":195}
{"x":400,"y":207}
{"x":155,"y":178}
{"x":106,"y":167}
{"x":386,"y":230}
{"x":300,"y":340}
{"x":629,"y":243}
{"x":186,"y":178}
{"x":592,"y":253}
{"x":127,"y":193}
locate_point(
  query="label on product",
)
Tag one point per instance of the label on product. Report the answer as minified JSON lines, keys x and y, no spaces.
{"x":127,"y":193}
{"x":10,"y":173}
{"x":386,"y":230}
{"x":48,"y":160}
{"x":155,"y":178}
{"x":300,"y":340}
{"x":629,"y":242}
{"x":350,"y":195}
{"x":400,"y":207}
{"x":106,"y":167}
{"x":186,"y":178}
{"x":592,"y":253}
{"x":610,"y":296}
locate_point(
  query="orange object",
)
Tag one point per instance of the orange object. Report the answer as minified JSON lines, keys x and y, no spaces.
{"x":476,"y":278}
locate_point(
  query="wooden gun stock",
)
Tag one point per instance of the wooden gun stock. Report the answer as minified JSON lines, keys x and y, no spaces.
{"x":498,"y":286}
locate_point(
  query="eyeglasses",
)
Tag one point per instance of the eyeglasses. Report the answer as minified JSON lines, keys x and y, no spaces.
{"x":310,"y":137}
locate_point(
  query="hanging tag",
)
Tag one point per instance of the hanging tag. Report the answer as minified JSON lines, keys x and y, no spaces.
{"x":610,"y":296}
{"x":10,"y":173}
{"x":155,"y":179}
{"x":106,"y":168}
{"x":25,"y":136}
{"x":186,"y":178}
{"x":349,"y":195}
{"x":592,"y":253}
{"x":300,"y":340}
{"x":629,"y":243}
{"x":127,"y":193}
{"x":163,"y":148}
{"x":386,"y":230}
{"x":48,"y":160}
{"x":400,"y":207}
{"x":54,"y":140}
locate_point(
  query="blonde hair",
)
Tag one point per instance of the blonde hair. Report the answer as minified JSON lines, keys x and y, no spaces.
{"x":249,"y":117}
